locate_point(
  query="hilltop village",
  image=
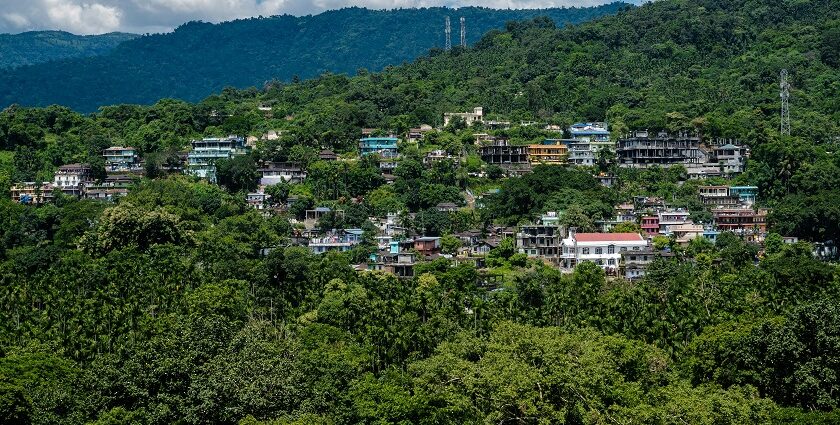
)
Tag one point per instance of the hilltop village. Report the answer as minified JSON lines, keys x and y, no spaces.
{"x":466,"y":161}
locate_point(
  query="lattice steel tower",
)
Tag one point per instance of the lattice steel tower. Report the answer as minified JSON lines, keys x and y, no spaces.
{"x":784,"y":87}
{"x":463,"y":33}
{"x":448,"y":35}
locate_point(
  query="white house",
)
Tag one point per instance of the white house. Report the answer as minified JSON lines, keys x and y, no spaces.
{"x":603,"y":249}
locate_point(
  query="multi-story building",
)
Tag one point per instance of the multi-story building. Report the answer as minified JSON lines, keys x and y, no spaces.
{"x":273,"y":172}
{"x":469,"y":118}
{"x":730,"y":158}
{"x":385,"y":147}
{"x":644,"y":149}
{"x":596,"y":133}
{"x":685,"y":233}
{"x":650,"y":224}
{"x":121,"y":159}
{"x":717,"y":196}
{"x":670,"y":218}
{"x":579,"y":152}
{"x":337,"y":240}
{"x":634,"y":264}
{"x":744,"y":221}
{"x":33,"y":193}
{"x":201,"y":161}
{"x":70,"y":178}
{"x":542,"y":241}
{"x":503,"y":153}
{"x":416,"y":134}
{"x":746,"y":194}
{"x":427,"y":245}
{"x":550,"y":151}
{"x":114,"y":186}
{"x":603,"y":249}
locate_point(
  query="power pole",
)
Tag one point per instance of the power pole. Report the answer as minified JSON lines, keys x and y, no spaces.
{"x":784,"y":86}
{"x":448,"y":35}
{"x":463,"y":33}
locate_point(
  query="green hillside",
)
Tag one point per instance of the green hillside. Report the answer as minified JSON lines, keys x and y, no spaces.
{"x":180,"y":303}
{"x":198,"y":59}
{"x":36,"y":47}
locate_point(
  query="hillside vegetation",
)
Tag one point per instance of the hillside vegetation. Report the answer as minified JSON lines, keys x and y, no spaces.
{"x":182,"y":304}
{"x":198,"y":58}
{"x":36,"y":47}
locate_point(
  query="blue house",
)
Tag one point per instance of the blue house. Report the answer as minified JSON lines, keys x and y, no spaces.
{"x":386,"y":147}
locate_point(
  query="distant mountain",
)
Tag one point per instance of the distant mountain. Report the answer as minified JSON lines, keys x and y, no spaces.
{"x":198,"y":59}
{"x":36,"y":47}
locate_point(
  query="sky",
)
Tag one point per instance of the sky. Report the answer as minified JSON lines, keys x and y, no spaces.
{"x":153,"y":16}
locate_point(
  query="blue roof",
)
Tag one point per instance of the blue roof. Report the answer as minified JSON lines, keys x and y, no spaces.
{"x":382,"y":139}
{"x":587,"y":128}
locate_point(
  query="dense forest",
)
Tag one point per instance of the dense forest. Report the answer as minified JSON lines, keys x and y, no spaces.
{"x":198,"y":58}
{"x":36,"y":47}
{"x":181,"y":304}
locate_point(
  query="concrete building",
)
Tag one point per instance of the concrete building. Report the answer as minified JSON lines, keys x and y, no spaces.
{"x":603,"y":249}
{"x":337,"y":240}
{"x":503,"y":153}
{"x":744,"y":221}
{"x":70,"y":178}
{"x":670,"y":218}
{"x":201,"y":161}
{"x":717,"y":196}
{"x":730,"y":158}
{"x":596,"y":133}
{"x":114,"y":186}
{"x":634,"y":264}
{"x":543,"y":240}
{"x":32,"y":193}
{"x":121,"y":159}
{"x":273,"y":172}
{"x":385,"y":147}
{"x":550,"y":151}
{"x":469,"y":118}
{"x":644,"y":149}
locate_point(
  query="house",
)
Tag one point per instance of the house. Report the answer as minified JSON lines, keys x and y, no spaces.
{"x":550,"y":151}
{"x":625,"y":212}
{"x":404,"y":266}
{"x":318,"y":212}
{"x":685,"y":233}
{"x":439,"y":155}
{"x":469,"y":118}
{"x":336,"y":240}
{"x":416,"y":134}
{"x":273,"y":172}
{"x":70,"y":178}
{"x":427,"y":245}
{"x":121,"y":159}
{"x":643,"y":149}
{"x":327,"y":155}
{"x":257,"y":200}
{"x":603,"y":249}
{"x":447,"y":207}
{"x":205,"y":152}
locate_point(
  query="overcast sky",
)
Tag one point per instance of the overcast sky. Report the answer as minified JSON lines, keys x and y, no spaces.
{"x":142,"y":16}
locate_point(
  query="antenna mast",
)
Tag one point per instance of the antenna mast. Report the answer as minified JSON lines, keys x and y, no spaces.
{"x":463,"y":33}
{"x":784,"y":87}
{"x":448,"y":35}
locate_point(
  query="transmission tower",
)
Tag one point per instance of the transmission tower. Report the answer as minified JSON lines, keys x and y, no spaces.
{"x":463,"y":33}
{"x":785,"y":95}
{"x":448,"y":35}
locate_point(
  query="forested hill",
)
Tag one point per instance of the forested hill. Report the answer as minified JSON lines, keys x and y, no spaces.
{"x":198,"y":59}
{"x":36,"y":47}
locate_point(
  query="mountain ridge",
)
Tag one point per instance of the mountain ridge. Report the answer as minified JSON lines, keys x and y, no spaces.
{"x":35,"y":47}
{"x":255,"y":50}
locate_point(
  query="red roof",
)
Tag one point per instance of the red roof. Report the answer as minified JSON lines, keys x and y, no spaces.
{"x":608,"y":237}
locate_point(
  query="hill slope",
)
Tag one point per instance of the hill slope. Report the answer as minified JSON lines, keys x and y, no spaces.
{"x":36,"y":47}
{"x":199,"y":58}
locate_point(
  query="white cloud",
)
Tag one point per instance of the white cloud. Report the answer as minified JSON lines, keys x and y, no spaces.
{"x":140,"y":16}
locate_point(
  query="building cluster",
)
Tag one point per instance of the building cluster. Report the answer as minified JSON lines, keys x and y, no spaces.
{"x":122,"y":168}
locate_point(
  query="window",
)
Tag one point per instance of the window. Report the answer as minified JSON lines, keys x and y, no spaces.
{"x":611,"y":249}
{"x":635,"y":248}
{"x":623,"y":249}
{"x":599,"y":251}
{"x":611,"y":262}
{"x":584,"y":251}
